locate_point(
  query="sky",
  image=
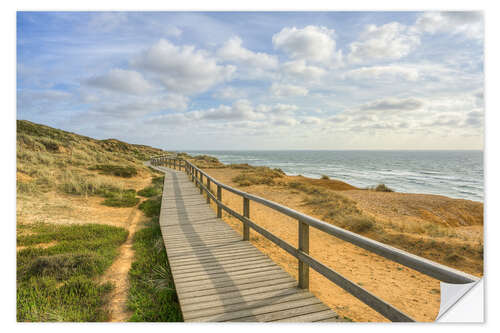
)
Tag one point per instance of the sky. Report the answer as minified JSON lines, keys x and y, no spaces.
{"x":256,"y":80}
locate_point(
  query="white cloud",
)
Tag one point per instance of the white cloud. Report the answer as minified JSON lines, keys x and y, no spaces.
{"x":387,"y":42}
{"x":312,"y":43}
{"x":133,"y":106}
{"x":183,"y":69}
{"x":278,"y":108}
{"x":173,"y":31}
{"x":299,"y":69}
{"x":384,"y":72}
{"x":41,"y":100}
{"x":469,"y":24}
{"x":287,"y":90}
{"x":121,"y":80}
{"x":233,"y":51}
{"x":239,"y":110}
{"x":285,"y":121}
{"x":393,"y":104}
{"x":229,"y":93}
{"x":311,"y":121}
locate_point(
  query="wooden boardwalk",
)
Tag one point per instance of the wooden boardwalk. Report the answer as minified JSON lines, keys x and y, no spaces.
{"x":217,"y":275}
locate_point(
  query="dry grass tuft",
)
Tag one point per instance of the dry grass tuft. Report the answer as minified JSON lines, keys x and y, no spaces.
{"x":257,"y":176}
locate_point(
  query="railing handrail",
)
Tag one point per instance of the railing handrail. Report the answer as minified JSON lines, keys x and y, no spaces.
{"x":422,"y":265}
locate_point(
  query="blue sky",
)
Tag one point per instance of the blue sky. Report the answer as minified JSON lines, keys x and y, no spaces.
{"x":256,"y":80}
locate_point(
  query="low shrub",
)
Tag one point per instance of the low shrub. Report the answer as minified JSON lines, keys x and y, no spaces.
{"x":325,"y":177}
{"x":125,"y":198}
{"x":258,"y":176}
{"x":151,"y":207}
{"x":116,"y":170}
{"x":381,"y":188}
{"x":149,"y":191}
{"x":63,"y":266}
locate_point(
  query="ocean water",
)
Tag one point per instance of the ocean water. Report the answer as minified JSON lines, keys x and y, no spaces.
{"x":456,"y":174}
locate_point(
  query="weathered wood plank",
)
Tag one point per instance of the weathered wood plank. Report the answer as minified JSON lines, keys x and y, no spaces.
{"x":245,"y":299}
{"x":284,"y":314}
{"x":242,"y":310}
{"x":242,"y":286}
{"x":322,"y":315}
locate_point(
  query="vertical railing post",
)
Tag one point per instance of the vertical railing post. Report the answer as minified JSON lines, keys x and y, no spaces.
{"x":303,"y":247}
{"x":219,"y":197}
{"x":201,"y":182}
{"x":208,"y":190}
{"x":246,"y":213}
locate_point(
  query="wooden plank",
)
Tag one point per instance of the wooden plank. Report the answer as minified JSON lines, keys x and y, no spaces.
{"x":229,"y":258}
{"x":322,"y":315}
{"x":225,"y":270}
{"x":235,"y":279}
{"x":245,"y":299}
{"x":240,"y":287}
{"x":217,"y":264}
{"x":284,"y":314}
{"x":238,"y":293}
{"x":242,"y":310}
{"x":228,"y":275}
{"x":223,"y":285}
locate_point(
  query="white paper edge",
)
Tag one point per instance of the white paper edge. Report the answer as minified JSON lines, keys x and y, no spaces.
{"x":462,"y":303}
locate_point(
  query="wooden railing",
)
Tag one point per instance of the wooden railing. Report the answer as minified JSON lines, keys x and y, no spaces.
{"x":305,"y":261}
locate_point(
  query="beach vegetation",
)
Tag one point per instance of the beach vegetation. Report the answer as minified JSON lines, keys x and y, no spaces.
{"x":152,"y":296}
{"x":258,"y":176}
{"x":58,"y":282}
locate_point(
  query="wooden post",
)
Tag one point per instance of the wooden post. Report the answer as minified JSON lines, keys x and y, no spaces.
{"x":304,"y":247}
{"x":246,"y":213}
{"x":201,"y":182}
{"x":219,"y":197}
{"x":208,"y":190}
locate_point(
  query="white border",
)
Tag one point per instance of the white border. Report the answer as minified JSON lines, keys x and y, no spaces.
{"x":492,"y":165}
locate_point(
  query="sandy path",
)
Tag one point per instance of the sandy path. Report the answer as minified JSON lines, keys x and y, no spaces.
{"x":118,"y":272}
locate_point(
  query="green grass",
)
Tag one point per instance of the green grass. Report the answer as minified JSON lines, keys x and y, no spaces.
{"x":125,"y":198}
{"x":151,"y":207}
{"x":116,"y":170}
{"x":152,"y":295}
{"x":149,"y":191}
{"x":57,"y":283}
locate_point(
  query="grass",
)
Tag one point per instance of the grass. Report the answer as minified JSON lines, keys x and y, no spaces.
{"x":151,"y":206}
{"x":381,"y":188}
{"x":57,"y":283}
{"x":125,"y":198}
{"x":152,"y":295}
{"x":256,"y":175}
{"x":149,"y":191}
{"x":56,"y":160}
{"x":334,"y":208}
{"x":116,"y":170}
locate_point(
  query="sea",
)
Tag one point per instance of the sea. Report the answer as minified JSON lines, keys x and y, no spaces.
{"x":452,"y":173}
